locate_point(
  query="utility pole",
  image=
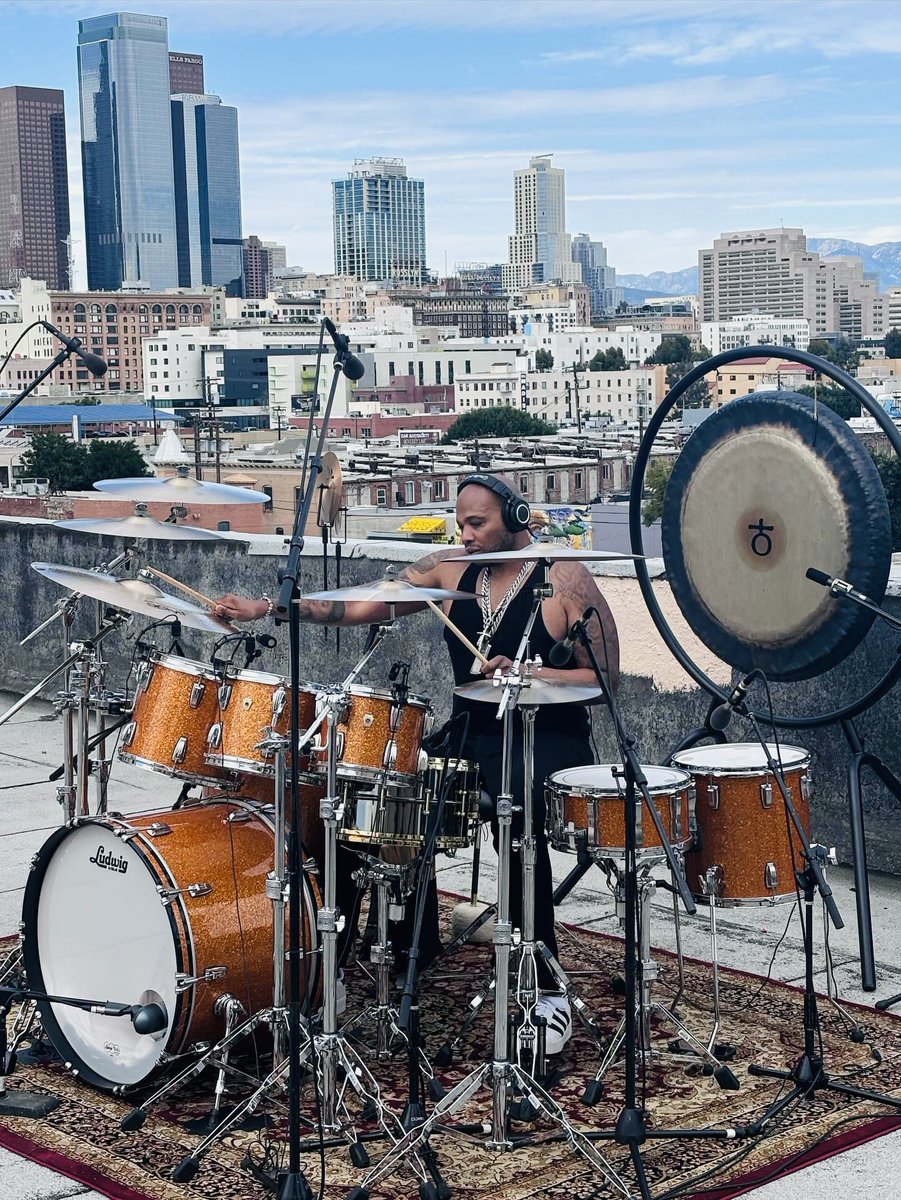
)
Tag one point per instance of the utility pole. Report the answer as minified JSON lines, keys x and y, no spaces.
{"x":578,"y":409}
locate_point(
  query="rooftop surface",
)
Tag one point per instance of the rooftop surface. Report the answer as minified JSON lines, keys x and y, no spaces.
{"x":30,"y":749}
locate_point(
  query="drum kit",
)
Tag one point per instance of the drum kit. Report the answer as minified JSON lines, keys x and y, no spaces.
{"x":183,"y":910}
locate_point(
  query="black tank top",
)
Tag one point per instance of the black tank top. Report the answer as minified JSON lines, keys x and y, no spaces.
{"x":467,"y":616}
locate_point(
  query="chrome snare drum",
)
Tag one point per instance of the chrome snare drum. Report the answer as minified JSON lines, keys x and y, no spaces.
{"x":378,"y":738}
{"x":175,"y":705}
{"x":743,"y":851}
{"x":586,"y":805}
{"x":460,"y":821}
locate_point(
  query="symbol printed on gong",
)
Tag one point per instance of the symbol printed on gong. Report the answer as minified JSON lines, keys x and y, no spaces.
{"x":761,"y":542}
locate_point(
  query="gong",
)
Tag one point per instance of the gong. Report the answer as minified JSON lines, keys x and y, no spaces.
{"x":769,"y":485}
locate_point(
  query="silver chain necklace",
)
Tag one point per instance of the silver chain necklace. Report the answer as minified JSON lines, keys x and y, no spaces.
{"x":491,"y":620}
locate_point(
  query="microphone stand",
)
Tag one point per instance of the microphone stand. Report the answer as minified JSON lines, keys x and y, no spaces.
{"x":808,"y":1075}
{"x":294,"y":1185}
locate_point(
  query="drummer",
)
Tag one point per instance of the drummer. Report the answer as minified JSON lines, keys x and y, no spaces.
{"x":493,"y":517}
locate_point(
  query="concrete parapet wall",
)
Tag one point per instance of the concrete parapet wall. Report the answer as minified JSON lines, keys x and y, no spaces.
{"x":660,"y":704}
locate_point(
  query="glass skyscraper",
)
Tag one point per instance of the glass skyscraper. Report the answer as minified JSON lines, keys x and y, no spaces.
{"x":207,"y":193}
{"x":126,"y":149}
{"x":379,"y":219}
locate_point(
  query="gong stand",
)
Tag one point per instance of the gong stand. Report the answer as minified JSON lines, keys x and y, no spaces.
{"x":845,"y":716}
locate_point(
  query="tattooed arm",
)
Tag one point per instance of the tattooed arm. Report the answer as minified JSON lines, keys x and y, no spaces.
{"x":577,"y":590}
{"x":425,"y":572}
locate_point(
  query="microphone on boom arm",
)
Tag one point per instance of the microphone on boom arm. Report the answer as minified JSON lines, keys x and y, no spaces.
{"x":722,"y":714}
{"x":94,"y":363}
{"x":350,"y":364}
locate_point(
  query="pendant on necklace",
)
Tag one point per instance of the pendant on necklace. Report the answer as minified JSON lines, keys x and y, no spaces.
{"x":484,"y":647}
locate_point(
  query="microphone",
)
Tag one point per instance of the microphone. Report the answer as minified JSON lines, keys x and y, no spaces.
{"x":149,"y":1018}
{"x":350,"y":364}
{"x":836,"y":586}
{"x":266,"y":640}
{"x":561,"y":652}
{"x":94,"y":363}
{"x":722,"y":714}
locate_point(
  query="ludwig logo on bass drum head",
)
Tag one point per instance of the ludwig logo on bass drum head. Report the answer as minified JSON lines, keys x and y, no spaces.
{"x":109,"y":861}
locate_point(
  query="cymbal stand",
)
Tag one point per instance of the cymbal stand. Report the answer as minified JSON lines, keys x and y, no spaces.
{"x":500,"y":1075}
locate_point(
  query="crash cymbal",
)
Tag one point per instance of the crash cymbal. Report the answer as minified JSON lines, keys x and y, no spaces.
{"x":180,"y":489}
{"x":133,"y":595}
{"x":539,"y":691}
{"x":139,"y":525}
{"x":331,"y":493}
{"x":546,"y":552}
{"x":391,"y":591}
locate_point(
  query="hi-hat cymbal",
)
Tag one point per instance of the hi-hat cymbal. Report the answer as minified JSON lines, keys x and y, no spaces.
{"x":539,"y":691}
{"x":133,"y":595}
{"x":139,"y":525}
{"x":180,"y":489}
{"x":391,"y":591}
{"x":545,"y":552}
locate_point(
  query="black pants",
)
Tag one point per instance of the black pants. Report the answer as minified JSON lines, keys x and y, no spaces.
{"x":553,"y":752}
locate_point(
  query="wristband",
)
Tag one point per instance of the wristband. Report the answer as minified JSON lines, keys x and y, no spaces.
{"x":269,"y":606}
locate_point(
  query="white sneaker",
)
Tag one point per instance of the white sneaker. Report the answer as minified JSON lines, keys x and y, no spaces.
{"x":555,"y":1009}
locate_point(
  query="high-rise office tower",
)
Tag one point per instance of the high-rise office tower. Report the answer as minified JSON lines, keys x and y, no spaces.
{"x":34,"y":196}
{"x":126,"y":150}
{"x":600,"y":278}
{"x":185,"y":74}
{"x":540,"y":249}
{"x":379,"y":217}
{"x":207,"y":193}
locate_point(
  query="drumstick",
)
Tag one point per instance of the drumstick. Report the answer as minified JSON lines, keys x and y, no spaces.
{"x":439,"y":612}
{"x":177,"y":583}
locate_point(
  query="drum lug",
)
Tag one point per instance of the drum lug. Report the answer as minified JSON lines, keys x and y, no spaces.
{"x":224,"y":694}
{"x":771,"y":876}
{"x":279,"y":698}
{"x":806,"y":787}
{"x":142,"y":676}
{"x":390,"y":756}
{"x":194,"y":890}
{"x":158,"y":829}
{"x":214,"y":737}
{"x":395,"y":718}
{"x":181,"y":749}
{"x":713,"y":795}
{"x":713,"y":882}
{"x":128,"y":733}
{"x":239,"y":816}
{"x":198,"y":691}
{"x":184,"y":982}
{"x":766,"y":794}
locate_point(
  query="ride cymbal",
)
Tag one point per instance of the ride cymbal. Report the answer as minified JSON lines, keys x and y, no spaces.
{"x":538,"y":691}
{"x":545,"y":552}
{"x":180,"y":489}
{"x":139,"y":525}
{"x":391,"y":591}
{"x":134,"y":596}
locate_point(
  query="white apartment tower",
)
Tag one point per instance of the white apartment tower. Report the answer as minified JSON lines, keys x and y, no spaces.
{"x":379,"y":223}
{"x":540,"y":249}
{"x":772,"y":271}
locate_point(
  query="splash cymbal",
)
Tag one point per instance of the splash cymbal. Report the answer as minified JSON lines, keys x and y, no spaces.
{"x":539,"y":691}
{"x":330,"y":510}
{"x":134,"y":596}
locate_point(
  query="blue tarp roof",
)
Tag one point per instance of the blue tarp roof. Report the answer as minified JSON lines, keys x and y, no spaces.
{"x":88,"y":414}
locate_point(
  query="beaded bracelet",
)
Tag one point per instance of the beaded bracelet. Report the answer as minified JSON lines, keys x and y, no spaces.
{"x":269,"y":606}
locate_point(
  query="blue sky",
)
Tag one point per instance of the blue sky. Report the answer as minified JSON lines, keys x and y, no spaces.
{"x":675,"y":120}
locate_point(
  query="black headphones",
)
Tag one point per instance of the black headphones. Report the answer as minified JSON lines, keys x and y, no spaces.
{"x":515,"y":511}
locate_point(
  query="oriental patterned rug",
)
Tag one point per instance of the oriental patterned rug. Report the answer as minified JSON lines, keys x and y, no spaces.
{"x":763,"y":1021}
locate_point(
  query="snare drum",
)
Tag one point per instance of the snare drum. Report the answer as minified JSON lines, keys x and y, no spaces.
{"x":384,"y":815}
{"x":742,"y":826}
{"x":167,"y":908}
{"x":461,"y":804}
{"x":175,"y":705}
{"x":253,"y":704}
{"x":585,"y":806}
{"x":377,"y":738}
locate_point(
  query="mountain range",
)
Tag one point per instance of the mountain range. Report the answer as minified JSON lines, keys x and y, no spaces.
{"x":883,"y":259}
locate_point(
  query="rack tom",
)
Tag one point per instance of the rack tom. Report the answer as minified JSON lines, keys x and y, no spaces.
{"x":586,"y":806}
{"x":745,"y":849}
{"x":253,"y":704}
{"x":379,"y":739}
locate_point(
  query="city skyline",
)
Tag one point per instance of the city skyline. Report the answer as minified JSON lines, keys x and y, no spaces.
{"x":674,"y":122}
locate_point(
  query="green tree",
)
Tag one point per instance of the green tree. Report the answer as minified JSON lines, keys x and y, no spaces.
{"x":503,"y":421}
{"x":833,"y":397}
{"x":701,"y":353}
{"x":889,"y":468}
{"x":115,"y":460}
{"x":609,"y":360}
{"x":674,"y":348}
{"x":655,"y":480}
{"x":696,"y":394}
{"x":892,"y":343}
{"x":842,"y":353}
{"x":57,"y":458}
{"x":544,"y":360}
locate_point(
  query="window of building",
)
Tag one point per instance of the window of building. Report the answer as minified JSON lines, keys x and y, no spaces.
{"x":381,"y":495}
{"x":551,"y":482}
{"x":437,"y":371}
{"x":467,"y":367}
{"x":391,"y":371}
{"x":410,"y":492}
{"x":577,"y":479}
{"x":438,"y":490}
{"x":450,"y":372}
{"x":267,"y":488}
